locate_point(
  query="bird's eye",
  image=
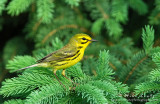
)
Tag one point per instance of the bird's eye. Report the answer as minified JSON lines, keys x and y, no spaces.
{"x":84,"y":38}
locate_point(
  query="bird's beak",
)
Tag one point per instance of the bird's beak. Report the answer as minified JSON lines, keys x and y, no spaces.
{"x":93,"y":40}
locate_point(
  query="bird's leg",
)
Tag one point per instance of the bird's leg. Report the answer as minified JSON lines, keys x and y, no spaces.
{"x":63,"y":73}
{"x":54,"y":71}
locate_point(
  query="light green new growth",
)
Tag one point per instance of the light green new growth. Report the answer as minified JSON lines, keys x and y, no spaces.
{"x":148,"y":38}
{"x":103,"y":70}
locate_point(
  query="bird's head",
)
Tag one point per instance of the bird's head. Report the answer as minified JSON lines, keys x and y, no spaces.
{"x":81,"y":40}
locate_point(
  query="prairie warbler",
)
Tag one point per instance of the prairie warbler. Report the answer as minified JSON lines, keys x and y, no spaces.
{"x":67,"y":56}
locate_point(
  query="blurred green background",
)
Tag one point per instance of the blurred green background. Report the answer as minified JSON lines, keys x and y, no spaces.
{"x":30,"y":26}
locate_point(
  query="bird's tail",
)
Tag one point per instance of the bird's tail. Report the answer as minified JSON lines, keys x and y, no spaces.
{"x":28,"y":67}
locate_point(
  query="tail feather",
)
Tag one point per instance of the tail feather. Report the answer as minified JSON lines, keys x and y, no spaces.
{"x":27,"y":67}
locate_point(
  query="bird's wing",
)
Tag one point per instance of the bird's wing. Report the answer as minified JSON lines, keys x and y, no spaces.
{"x":60,"y":54}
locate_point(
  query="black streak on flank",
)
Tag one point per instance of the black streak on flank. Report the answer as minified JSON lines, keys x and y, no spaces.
{"x":60,"y":64}
{"x":75,"y":57}
{"x":80,"y":47}
{"x":77,"y":51}
{"x":65,"y":58}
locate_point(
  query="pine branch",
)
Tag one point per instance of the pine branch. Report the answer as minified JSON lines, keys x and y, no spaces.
{"x":108,"y":88}
{"x":103,"y":71}
{"x":115,"y":64}
{"x":102,"y":11}
{"x":155,"y":50}
{"x":148,"y":38}
{"x":75,"y":71}
{"x":14,"y":101}
{"x":16,"y":7}
{"x":121,"y":88}
{"x":89,"y":65}
{"x":45,"y":9}
{"x":156,"y":58}
{"x":67,"y":100}
{"x":136,"y":62}
{"x":92,"y":93}
{"x":36,"y":25}
{"x":47,"y":94}
{"x":112,"y":92}
{"x":155,"y":75}
{"x":97,"y":25}
{"x":120,"y":14}
{"x":155,"y":99}
{"x":147,"y":87}
{"x":58,"y":29}
{"x":73,"y":26}
{"x":113,"y":27}
{"x":25,"y":83}
{"x":20,"y":62}
{"x":134,"y":68}
{"x":122,"y":50}
{"x":104,"y":14}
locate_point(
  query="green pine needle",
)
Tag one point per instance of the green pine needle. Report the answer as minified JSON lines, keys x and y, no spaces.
{"x":92,"y":93}
{"x":156,"y":58}
{"x":20,"y":62}
{"x":16,"y":7}
{"x":25,"y":83}
{"x":103,"y":70}
{"x":49,"y":94}
{"x":113,"y":27}
{"x":45,"y":9}
{"x":148,"y":38}
{"x":155,"y":99}
{"x":15,"y":101}
{"x":147,"y":87}
{"x":139,"y":6}
{"x":97,"y":26}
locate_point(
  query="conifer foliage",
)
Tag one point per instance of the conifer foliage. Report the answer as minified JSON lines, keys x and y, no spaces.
{"x":41,"y":87}
{"x":112,"y":69}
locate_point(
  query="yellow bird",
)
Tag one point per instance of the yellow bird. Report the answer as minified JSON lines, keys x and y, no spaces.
{"x":67,"y":56}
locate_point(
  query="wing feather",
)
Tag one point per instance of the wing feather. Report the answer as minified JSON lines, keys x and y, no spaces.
{"x":60,"y":54}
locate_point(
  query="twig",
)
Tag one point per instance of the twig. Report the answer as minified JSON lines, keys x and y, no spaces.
{"x":105,"y":16}
{"x":134,"y":68}
{"x":35,"y":27}
{"x":113,"y":67}
{"x":74,"y":26}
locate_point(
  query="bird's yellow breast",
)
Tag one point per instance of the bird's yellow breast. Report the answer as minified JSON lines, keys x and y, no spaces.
{"x":69,"y":61}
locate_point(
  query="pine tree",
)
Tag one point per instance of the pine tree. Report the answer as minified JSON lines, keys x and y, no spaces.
{"x":109,"y":73}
